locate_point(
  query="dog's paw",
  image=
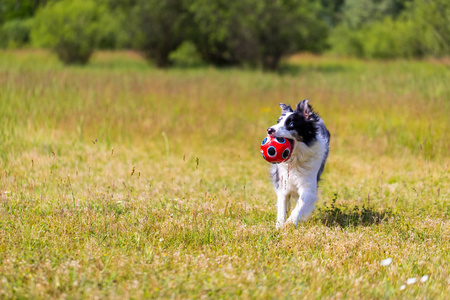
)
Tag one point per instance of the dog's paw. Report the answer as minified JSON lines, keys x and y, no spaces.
{"x":284,"y":226}
{"x":280,"y":224}
{"x":292,"y":220}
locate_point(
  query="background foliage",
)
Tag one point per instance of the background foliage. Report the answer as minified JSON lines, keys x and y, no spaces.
{"x":72,"y":29}
{"x":246,"y":33}
{"x":390,"y":29}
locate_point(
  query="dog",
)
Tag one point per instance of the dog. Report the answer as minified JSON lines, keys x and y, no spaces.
{"x":298,"y":177}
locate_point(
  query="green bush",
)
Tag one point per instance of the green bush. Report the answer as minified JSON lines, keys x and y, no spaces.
{"x":251,"y":32}
{"x":381,"y":40}
{"x":112,"y":33}
{"x":116,"y":24}
{"x":218,"y":31}
{"x":431,"y":25}
{"x":72,"y":28}
{"x":160,"y":27}
{"x":185,"y":55}
{"x":346,"y":41}
{"x":15,"y":33}
{"x":385,"y":40}
{"x":422,"y":29}
{"x":18,"y":9}
{"x":287,"y":26}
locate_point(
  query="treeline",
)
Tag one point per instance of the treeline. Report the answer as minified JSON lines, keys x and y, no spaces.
{"x":256,"y":33}
{"x":393,"y":29}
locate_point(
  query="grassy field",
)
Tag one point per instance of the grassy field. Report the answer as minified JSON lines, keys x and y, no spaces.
{"x":119,"y":180}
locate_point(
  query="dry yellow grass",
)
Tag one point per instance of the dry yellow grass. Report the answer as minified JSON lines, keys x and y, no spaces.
{"x":119,"y":180}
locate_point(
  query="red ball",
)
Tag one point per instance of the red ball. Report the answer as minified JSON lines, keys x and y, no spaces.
{"x":276,"y":149}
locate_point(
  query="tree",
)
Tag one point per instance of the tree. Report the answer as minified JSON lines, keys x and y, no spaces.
{"x":71,"y":28}
{"x":288,"y":26}
{"x":160,"y":28}
{"x":256,"y":31}
{"x":224,"y":31}
{"x":357,"y":13}
{"x":14,"y":9}
{"x":408,"y":29}
{"x":15,"y":33}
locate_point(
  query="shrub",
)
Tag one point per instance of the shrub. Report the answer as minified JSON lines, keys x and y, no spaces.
{"x":346,"y":41}
{"x":385,"y":39}
{"x":185,"y":55}
{"x":72,"y":28}
{"x":256,"y":31}
{"x":117,"y":28}
{"x":15,"y":33}
{"x":380,"y":40}
{"x":224,"y":31}
{"x":288,"y":26}
{"x":160,"y":28}
{"x":431,"y":26}
{"x":18,"y":10}
{"x":422,"y":29}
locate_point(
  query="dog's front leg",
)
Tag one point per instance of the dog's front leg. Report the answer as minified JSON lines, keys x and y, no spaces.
{"x":281,"y":208}
{"x":303,"y":208}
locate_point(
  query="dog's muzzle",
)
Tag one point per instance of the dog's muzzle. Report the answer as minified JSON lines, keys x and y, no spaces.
{"x":270,"y":131}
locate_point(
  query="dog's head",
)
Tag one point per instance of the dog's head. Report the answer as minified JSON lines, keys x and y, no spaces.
{"x":298,"y":125}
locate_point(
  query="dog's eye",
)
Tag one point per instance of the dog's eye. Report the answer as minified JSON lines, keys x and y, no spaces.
{"x":291,"y":124}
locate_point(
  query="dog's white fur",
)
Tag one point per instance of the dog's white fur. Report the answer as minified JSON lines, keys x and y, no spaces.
{"x":298,"y":176}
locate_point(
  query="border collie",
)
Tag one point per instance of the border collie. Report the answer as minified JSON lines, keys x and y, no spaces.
{"x":298,"y":177}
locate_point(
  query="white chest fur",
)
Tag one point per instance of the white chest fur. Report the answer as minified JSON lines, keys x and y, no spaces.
{"x":297,"y":178}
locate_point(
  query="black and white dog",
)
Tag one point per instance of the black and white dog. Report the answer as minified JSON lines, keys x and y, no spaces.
{"x":298,"y":177}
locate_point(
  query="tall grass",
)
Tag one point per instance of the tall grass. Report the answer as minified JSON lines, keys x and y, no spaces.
{"x":121,"y":180}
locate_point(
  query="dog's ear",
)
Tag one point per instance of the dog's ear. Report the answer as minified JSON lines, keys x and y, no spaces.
{"x":285,"y":108}
{"x":304,"y":108}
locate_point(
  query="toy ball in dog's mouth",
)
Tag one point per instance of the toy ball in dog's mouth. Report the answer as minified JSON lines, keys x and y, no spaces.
{"x":276,"y":149}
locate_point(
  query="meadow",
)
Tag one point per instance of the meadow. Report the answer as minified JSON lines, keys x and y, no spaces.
{"x":120,"y":180}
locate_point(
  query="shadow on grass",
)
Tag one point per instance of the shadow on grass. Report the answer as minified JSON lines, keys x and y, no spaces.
{"x":344,"y":216}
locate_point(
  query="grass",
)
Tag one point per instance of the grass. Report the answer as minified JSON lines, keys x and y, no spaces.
{"x":119,"y":180}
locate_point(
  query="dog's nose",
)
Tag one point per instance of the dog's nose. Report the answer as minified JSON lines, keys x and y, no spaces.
{"x":270,"y":131}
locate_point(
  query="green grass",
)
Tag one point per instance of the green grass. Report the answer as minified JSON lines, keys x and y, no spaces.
{"x":119,"y":180}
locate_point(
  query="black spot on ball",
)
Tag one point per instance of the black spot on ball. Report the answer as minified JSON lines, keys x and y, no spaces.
{"x":281,"y":140}
{"x":265,"y":140}
{"x":285,"y":153}
{"x":271,"y":151}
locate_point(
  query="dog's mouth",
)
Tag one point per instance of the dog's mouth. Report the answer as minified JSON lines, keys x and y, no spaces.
{"x":291,"y":142}
{"x":291,"y":146}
